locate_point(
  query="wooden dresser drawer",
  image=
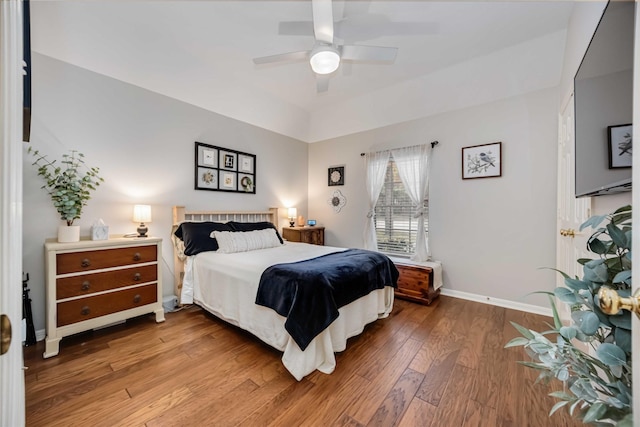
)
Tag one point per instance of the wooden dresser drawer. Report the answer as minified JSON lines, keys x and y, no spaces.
{"x":100,"y":305}
{"x":96,"y":282}
{"x":416,"y":284}
{"x":104,"y":258}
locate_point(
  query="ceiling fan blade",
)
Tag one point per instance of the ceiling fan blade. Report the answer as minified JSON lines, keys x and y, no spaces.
{"x":282,"y":57}
{"x":322,"y":82}
{"x":295,"y":28}
{"x":369,"y":53}
{"x":323,"y":20}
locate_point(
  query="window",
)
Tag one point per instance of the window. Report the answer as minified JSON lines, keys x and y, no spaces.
{"x":396,"y":226}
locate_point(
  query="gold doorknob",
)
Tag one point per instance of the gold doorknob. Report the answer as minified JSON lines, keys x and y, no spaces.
{"x":568,"y":232}
{"x":5,"y":333}
{"x":612,"y":303}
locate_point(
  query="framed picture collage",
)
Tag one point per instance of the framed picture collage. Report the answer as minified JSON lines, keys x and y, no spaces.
{"x":223,"y":169}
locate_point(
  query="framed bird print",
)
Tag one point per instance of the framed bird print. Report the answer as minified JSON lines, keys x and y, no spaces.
{"x":482,"y":161}
{"x":620,"y":146}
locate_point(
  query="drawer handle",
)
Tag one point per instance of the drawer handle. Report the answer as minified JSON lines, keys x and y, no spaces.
{"x":137,"y":299}
{"x":85,"y":285}
{"x":85,"y":310}
{"x":137,"y":257}
{"x":137,"y":277}
{"x":85,"y":262}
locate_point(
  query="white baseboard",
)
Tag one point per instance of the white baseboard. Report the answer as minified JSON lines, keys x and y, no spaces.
{"x":529,"y":308}
{"x":40,"y":334}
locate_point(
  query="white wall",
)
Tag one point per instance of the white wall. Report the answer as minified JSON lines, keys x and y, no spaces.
{"x":493,"y":234}
{"x":143,"y":144}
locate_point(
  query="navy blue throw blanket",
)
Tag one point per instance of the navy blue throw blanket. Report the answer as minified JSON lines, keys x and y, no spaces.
{"x":308,"y":293}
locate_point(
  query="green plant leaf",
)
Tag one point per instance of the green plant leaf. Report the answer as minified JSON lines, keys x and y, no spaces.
{"x":623,"y":276}
{"x":576,"y":284}
{"x":568,"y":332}
{"x":611,"y":354}
{"x":617,"y":236}
{"x":594,"y":413}
{"x":597,"y":246}
{"x":621,"y":320}
{"x":558,"y":405}
{"x":586,"y":321}
{"x":623,"y":339}
{"x":523,"y":331}
{"x":596,"y":271}
{"x":592,"y":222}
{"x":565,"y":295}
{"x":516,"y":342}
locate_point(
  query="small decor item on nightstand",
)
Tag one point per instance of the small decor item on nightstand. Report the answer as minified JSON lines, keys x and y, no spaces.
{"x":337,"y":200}
{"x":311,"y":222}
{"x":292,"y":212}
{"x":142,"y":214}
{"x":99,"y":231}
{"x":336,"y":175}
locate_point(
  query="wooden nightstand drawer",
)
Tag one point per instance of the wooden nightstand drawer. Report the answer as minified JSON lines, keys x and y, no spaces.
{"x":312,"y":235}
{"x":416,"y":284}
{"x":105,"y":258}
{"x":96,"y":282}
{"x":82,"y":309}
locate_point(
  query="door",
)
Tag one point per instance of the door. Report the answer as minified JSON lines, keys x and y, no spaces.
{"x":11,"y":362}
{"x":572,"y":212}
{"x":635,"y":322}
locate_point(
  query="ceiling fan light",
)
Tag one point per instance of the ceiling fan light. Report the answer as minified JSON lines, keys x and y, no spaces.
{"x":325,"y":60}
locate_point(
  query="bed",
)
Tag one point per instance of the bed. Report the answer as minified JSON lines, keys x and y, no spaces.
{"x":238,"y":286}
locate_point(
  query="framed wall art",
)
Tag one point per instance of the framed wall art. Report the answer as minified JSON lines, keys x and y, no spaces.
{"x":224,"y":169}
{"x":335,"y":175}
{"x":620,"y":146}
{"x":482,"y":161}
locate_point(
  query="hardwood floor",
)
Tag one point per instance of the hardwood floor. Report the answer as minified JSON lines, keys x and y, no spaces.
{"x":441,"y":365}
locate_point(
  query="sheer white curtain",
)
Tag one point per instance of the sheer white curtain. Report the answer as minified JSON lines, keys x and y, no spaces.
{"x":413,"y":167}
{"x":376,"y":168}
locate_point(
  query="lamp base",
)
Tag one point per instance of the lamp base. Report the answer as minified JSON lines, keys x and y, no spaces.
{"x":142,"y":230}
{"x":291,"y":223}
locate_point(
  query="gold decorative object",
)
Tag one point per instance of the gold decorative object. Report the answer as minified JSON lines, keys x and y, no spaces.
{"x":611,"y":302}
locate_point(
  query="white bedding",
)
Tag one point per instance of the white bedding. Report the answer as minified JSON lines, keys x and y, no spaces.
{"x":226,"y":286}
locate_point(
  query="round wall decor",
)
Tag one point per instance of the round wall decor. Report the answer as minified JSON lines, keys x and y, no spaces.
{"x":337,"y":201}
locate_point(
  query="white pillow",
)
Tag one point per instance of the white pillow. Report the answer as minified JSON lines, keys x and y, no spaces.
{"x":243,"y":241}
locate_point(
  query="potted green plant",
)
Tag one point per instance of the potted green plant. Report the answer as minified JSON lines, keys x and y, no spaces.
{"x":69,"y":183}
{"x":591,"y":357}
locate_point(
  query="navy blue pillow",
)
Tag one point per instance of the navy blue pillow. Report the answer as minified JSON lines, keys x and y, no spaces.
{"x":252,"y":226}
{"x":196,"y":236}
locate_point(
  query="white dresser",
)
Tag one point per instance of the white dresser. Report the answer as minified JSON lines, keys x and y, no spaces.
{"x":91,"y":284}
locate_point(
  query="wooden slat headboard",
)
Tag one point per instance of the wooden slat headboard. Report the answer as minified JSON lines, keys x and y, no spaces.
{"x":180,"y":215}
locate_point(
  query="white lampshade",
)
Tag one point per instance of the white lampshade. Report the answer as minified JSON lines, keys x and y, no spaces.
{"x":142,"y":213}
{"x":293,"y":212}
{"x":324,"y":60}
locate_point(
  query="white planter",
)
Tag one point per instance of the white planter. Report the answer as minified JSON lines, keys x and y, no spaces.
{"x":68,"y":233}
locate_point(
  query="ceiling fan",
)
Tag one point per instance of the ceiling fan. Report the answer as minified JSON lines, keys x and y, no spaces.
{"x":326,"y":54}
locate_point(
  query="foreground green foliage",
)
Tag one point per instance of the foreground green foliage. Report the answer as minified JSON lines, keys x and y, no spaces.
{"x":69,"y":185}
{"x":592,"y":355}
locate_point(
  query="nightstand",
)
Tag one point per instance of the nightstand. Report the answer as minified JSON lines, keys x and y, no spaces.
{"x":94,"y":283}
{"x":313,"y":235}
{"x":416,"y":283}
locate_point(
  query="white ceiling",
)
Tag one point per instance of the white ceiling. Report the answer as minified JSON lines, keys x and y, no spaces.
{"x":201,"y":52}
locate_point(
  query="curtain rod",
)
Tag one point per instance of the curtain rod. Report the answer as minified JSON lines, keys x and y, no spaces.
{"x":433,"y":144}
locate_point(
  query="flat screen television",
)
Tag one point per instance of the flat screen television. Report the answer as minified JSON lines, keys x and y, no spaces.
{"x":603,"y":96}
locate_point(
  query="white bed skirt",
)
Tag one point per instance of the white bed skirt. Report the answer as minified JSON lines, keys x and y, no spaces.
{"x":320,"y":352}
